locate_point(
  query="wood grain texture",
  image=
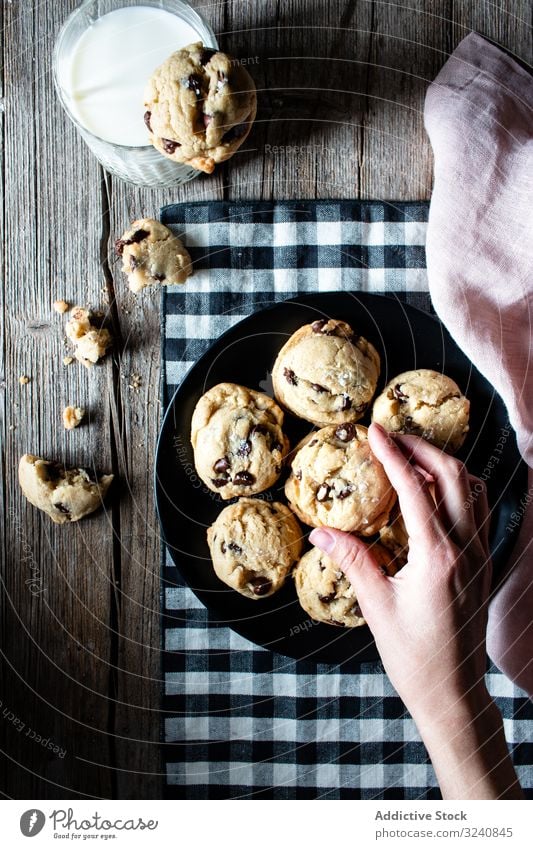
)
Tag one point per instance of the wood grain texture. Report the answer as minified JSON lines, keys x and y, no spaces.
{"x":341,"y":86}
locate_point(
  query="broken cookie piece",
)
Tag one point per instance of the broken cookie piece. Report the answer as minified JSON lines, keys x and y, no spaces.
{"x":90,"y":342}
{"x":152,"y":254}
{"x":67,"y":495}
{"x":72,"y":417}
{"x":61,"y":306}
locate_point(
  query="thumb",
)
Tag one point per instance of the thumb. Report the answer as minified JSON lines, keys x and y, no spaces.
{"x":357,"y":562}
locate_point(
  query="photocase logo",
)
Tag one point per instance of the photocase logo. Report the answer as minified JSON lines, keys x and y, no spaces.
{"x":32,"y":822}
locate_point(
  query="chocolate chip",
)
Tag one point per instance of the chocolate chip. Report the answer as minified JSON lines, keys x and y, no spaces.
{"x":320,"y":327}
{"x":327,"y":599}
{"x":207,"y":55}
{"x":323,"y":492}
{"x":194,"y":83}
{"x":345,"y":432}
{"x":62,"y":508}
{"x":298,"y":475}
{"x":234,"y":547}
{"x":261,"y":586}
{"x":138,"y":236}
{"x":356,"y":610}
{"x":318,"y":388}
{"x":170,"y":145}
{"x":159,"y":277}
{"x":91,"y":477}
{"x":147,"y":116}
{"x":244,"y":479}
{"x":344,"y":493}
{"x":207,"y":120}
{"x":346,"y":402}
{"x":235,"y":132}
{"x":258,"y":429}
{"x":223,"y":547}
{"x":221,"y":465}
{"x":134,"y":263}
{"x":244,"y":448}
{"x":219,"y":482}
{"x":398,"y":394}
{"x":51,"y":471}
{"x":313,"y":442}
{"x":290,"y":377}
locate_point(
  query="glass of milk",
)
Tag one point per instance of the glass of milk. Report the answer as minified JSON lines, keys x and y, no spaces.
{"x":103,"y":58}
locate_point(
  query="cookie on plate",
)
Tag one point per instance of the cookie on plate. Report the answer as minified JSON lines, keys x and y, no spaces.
{"x":425,"y":403}
{"x":394,"y":537}
{"x":152,"y":254}
{"x":238,"y":441}
{"x":65,"y":494}
{"x":337,"y":481}
{"x":254,"y":545}
{"x":325,"y":373}
{"x":200,"y":106}
{"x":324,"y":591}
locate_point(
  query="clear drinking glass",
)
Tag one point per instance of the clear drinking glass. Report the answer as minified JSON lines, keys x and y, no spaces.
{"x":143,"y":166}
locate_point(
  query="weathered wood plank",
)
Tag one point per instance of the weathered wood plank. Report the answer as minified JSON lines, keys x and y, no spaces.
{"x":58,"y":579}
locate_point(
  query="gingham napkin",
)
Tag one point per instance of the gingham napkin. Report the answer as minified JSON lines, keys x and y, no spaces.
{"x":238,"y":720}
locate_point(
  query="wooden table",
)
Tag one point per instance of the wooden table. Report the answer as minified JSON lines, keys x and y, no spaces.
{"x":341,"y":89}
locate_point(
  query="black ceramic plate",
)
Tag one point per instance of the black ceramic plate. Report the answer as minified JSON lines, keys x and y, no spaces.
{"x":406,"y":338}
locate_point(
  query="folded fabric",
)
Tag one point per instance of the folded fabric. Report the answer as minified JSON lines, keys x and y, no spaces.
{"x":479,"y":117}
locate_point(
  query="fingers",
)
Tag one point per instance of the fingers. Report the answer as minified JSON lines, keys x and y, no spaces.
{"x":480,"y":505}
{"x":452,"y":486}
{"x":416,"y":503}
{"x":357,"y":562}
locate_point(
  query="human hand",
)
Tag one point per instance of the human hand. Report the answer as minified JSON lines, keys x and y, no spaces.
{"x":429,"y":621}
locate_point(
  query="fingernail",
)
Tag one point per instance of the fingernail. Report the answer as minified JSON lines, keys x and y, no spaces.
{"x":322,"y":539}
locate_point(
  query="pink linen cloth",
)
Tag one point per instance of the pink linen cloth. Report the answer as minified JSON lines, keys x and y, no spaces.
{"x":479,"y":118}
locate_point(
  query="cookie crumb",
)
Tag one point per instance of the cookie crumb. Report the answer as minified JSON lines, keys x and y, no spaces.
{"x":68,"y":360}
{"x":72,"y":417}
{"x":61,"y":306}
{"x":90,"y":343}
{"x":24,"y":379}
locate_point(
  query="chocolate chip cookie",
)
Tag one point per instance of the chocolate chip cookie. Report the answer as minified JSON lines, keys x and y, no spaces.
{"x":254,"y":545}
{"x":152,"y":254}
{"x":326,"y":594}
{"x":239,"y":445}
{"x":200,"y":106}
{"x":325,"y":373}
{"x":67,"y":495}
{"x":394,"y":537}
{"x":337,"y":481}
{"x":427,"y":404}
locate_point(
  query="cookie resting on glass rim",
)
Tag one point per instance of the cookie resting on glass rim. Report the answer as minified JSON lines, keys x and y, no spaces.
{"x":200,"y":106}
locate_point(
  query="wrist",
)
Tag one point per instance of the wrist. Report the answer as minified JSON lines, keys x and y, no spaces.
{"x":456,"y":709}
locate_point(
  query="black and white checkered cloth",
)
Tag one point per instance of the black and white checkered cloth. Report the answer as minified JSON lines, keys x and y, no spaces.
{"x":238,"y":720}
